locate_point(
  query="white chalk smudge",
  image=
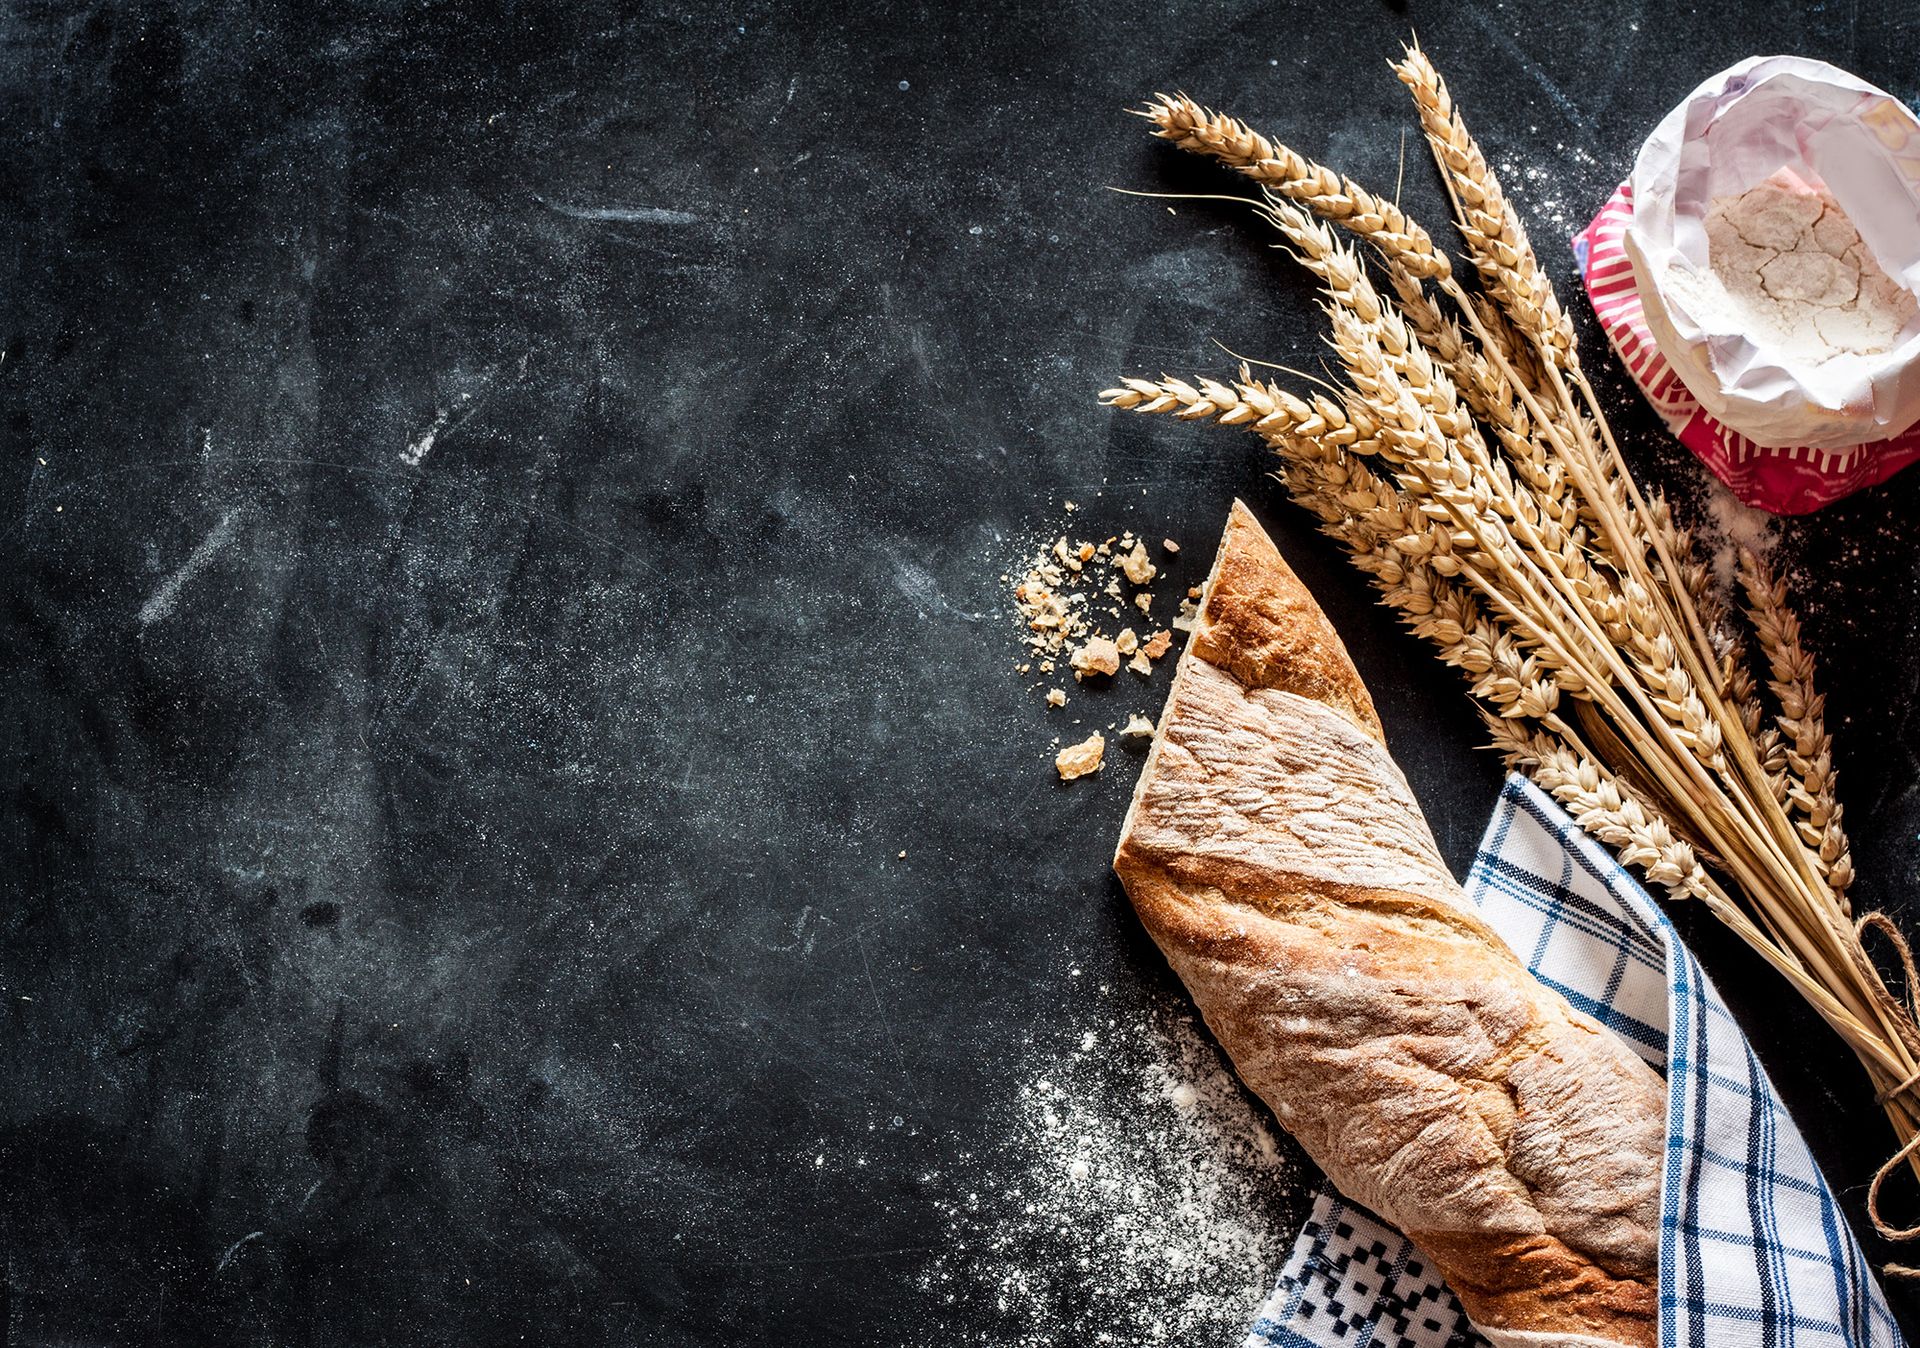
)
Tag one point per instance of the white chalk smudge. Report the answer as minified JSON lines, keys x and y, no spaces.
{"x":234,"y":1249}
{"x":919,"y":586}
{"x":422,"y":445}
{"x":160,"y":603}
{"x":626,"y":215}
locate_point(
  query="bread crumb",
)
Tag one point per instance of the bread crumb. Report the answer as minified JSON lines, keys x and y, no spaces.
{"x":1138,"y":727}
{"x":1140,"y":570}
{"x":1071,"y":506}
{"x":1194,"y":592}
{"x":1068,"y":592}
{"x":1157,"y":645}
{"x":903,"y":854}
{"x":1098,"y":656}
{"x":1077,"y":760}
{"x":1172,"y":548}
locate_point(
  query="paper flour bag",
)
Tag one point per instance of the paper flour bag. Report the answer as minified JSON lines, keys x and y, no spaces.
{"x":1775,"y":249}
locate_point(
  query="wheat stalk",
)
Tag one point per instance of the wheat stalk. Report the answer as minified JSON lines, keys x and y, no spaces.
{"x":1469,"y":470}
{"x":1605,"y":807}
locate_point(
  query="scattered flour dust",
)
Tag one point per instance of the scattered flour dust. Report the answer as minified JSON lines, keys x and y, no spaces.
{"x":1556,"y":193}
{"x":1727,"y":526}
{"x":1147,"y":1201}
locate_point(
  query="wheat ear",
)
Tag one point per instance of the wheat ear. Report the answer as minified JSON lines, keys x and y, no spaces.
{"x":1278,"y":169}
{"x":1801,"y":721}
{"x":1496,"y":240}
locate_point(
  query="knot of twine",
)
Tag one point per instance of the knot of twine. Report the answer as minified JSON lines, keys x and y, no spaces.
{"x":1904,"y":1018}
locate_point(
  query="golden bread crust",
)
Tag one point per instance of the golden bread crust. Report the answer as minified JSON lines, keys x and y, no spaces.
{"x":1277,"y":857}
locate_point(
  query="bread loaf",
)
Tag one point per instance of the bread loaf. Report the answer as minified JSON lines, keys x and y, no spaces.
{"x":1279,"y":860}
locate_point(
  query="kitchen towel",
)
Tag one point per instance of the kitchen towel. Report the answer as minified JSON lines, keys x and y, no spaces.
{"x":1753,"y":1248}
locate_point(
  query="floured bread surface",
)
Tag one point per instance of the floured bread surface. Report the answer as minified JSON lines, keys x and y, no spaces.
{"x":1277,"y":857}
{"x":1310,"y":795}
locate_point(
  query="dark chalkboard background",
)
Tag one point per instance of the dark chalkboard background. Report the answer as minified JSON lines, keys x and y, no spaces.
{"x":452,"y":890}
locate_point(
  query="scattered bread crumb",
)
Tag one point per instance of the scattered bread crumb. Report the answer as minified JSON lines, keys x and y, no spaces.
{"x":1140,"y":570}
{"x":1097,"y":656}
{"x":1077,"y":760}
{"x":903,"y":854}
{"x":1193,"y":592}
{"x":1072,"y":597}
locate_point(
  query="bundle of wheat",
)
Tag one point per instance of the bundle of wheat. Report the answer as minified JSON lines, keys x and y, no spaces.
{"x":1467,"y":466}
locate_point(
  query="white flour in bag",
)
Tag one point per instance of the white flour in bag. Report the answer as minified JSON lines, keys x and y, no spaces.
{"x":1787,"y":267}
{"x":1837,"y":135}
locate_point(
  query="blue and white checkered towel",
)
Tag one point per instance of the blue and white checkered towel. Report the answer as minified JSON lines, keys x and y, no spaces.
{"x":1753,"y":1249}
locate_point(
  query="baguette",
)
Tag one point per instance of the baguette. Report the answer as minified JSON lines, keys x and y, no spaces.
{"x":1279,"y":860}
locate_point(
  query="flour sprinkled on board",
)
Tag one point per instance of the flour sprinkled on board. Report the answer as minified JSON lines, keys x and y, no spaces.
{"x":1730,"y":526}
{"x":1559,"y":197}
{"x":1148,"y":1199}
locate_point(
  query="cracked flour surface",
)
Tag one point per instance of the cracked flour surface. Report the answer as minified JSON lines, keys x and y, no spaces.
{"x":1792,"y":271}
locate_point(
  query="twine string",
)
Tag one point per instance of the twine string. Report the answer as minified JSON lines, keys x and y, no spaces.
{"x":1906,"y":1015}
{"x":1880,"y":922}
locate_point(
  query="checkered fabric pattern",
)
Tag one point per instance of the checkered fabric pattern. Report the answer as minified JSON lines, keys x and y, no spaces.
{"x":1754,"y":1252}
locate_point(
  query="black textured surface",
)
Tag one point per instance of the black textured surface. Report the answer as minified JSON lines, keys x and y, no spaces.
{"x":452,"y":891}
